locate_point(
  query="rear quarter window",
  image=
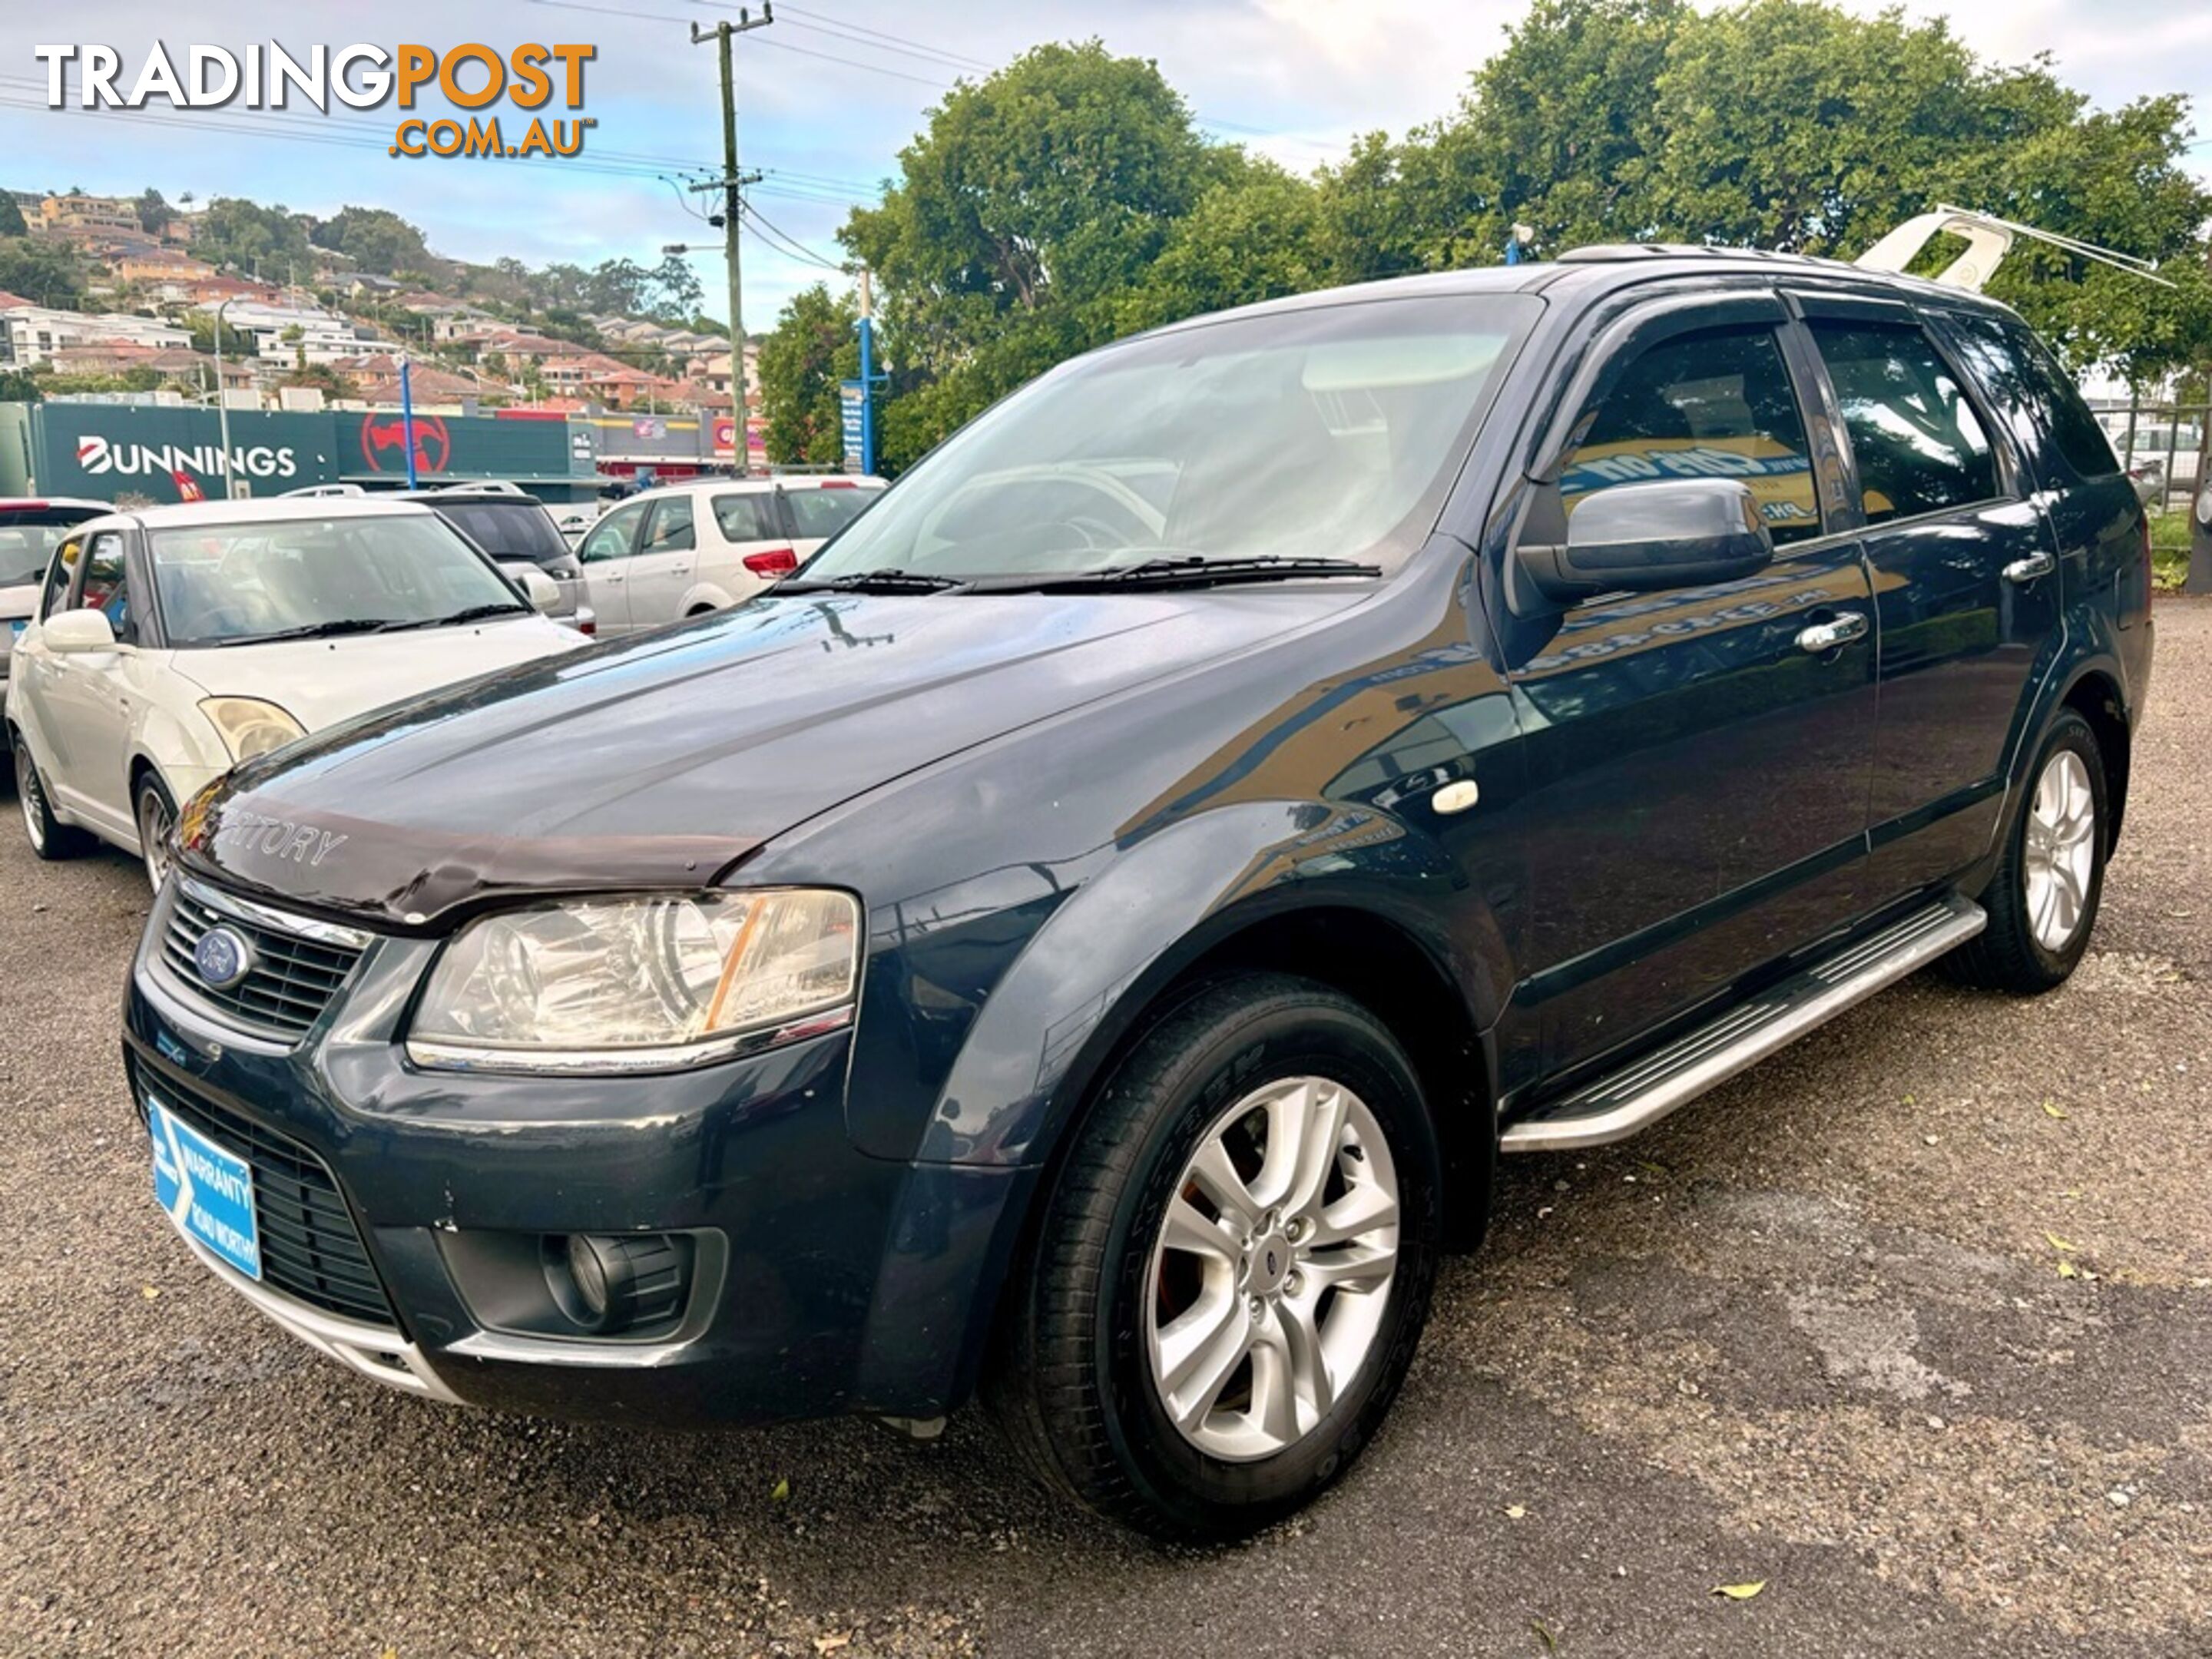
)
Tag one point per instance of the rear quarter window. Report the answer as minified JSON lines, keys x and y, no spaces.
{"x":2018,"y":370}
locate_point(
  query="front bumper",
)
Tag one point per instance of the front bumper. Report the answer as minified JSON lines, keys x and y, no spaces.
{"x":842,"y":1282}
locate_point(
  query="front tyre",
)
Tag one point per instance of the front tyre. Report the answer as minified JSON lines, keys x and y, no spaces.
{"x":155,"y":810}
{"x":2043,"y":901}
{"x":1233,"y":1267}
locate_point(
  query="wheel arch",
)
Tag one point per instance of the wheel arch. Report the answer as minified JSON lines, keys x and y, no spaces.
{"x":2095,"y":693}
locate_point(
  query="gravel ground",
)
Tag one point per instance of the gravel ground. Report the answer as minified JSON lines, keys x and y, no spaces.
{"x":1913,"y":1323}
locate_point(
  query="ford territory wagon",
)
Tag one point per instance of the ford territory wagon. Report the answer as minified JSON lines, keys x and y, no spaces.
{"x":1086,"y":937}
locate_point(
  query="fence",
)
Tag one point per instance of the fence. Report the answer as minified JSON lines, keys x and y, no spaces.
{"x":2162,"y":445}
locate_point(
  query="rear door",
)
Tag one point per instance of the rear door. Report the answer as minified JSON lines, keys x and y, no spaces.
{"x":1697,"y":769}
{"x":662,"y":571}
{"x":605,"y":554}
{"x":1966,"y":581}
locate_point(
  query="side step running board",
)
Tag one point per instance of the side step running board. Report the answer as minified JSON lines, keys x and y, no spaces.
{"x":1644,"y":1092}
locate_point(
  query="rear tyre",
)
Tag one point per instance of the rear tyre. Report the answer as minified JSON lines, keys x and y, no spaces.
{"x":2043,"y":901}
{"x":1233,"y":1267}
{"x":156,"y":809}
{"x":50,"y":839}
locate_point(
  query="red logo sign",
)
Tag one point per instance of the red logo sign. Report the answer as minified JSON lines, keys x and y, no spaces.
{"x":384,"y":443}
{"x":726,"y":432}
{"x":187,"y":489}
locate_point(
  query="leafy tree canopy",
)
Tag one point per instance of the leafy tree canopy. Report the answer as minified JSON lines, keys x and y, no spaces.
{"x":812,"y":348}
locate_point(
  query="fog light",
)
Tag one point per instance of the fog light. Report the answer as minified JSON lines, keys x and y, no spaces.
{"x":612,"y":1282}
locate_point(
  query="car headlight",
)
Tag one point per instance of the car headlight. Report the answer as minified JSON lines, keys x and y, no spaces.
{"x":640,"y":984}
{"x":250,"y":726}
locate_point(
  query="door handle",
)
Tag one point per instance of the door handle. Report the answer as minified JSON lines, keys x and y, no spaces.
{"x":2032,"y":567}
{"x":1823,"y":637}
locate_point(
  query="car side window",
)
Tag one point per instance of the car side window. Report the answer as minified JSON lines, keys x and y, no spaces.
{"x":107,"y":584}
{"x":68,"y":555}
{"x":748,"y":518}
{"x":1716,"y":403}
{"x":610,"y":538}
{"x":2016,"y":369}
{"x":1919,"y":445}
{"x":670,"y":530}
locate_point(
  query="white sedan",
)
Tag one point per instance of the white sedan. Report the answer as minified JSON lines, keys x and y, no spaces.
{"x":172,"y":643}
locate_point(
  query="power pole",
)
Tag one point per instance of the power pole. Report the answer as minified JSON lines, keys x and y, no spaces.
{"x":732,"y":184}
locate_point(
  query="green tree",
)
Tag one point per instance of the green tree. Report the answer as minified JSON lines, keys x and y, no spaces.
{"x":1024,"y":212}
{"x":20,"y":386}
{"x":232,"y":231}
{"x":154,"y":212}
{"x":48,"y":273}
{"x":11,"y":215}
{"x":677,"y":291}
{"x":374,"y":239}
{"x":1253,"y":235}
{"x":810,"y":349}
{"x":201,"y":325}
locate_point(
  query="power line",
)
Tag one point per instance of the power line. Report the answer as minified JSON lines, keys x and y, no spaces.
{"x":822,"y":21}
{"x":792,"y":243}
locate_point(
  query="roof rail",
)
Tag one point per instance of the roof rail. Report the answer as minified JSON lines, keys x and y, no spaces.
{"x":1605,"y":253}
{"x":1989,"y":239}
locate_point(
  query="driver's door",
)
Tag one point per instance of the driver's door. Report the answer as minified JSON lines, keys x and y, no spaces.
{"x":89,"y":699}
{"x":1699,"y":773}
{"x":605,"y":555}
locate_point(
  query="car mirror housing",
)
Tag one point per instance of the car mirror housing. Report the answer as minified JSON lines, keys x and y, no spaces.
{"x":1644,"y":537}
{"x":71,"y":633}
{"x":540,"y":589}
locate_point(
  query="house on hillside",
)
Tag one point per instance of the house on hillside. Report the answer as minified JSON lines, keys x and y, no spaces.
{"x":90,"y":213}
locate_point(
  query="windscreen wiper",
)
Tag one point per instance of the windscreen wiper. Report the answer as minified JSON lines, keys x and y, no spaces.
{"x":474,"y":613}
{"x":1193,"y":571}
{"x":321,"y":630}
{"x":872,"y":581}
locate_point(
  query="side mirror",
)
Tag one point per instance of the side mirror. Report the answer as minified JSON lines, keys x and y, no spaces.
{"x":1644,"y":537}
{"x":72,"y":633}
{"x":540,"y":589}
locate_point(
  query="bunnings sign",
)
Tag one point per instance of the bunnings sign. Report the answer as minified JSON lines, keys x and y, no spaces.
{"x":105,"y":450}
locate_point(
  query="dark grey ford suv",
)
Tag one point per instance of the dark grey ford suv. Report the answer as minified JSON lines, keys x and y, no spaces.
{"x":1088,"y":935}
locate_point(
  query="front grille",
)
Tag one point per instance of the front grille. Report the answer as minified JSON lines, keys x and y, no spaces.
{"x":293,"y":979}
{"x":310,"y":1248}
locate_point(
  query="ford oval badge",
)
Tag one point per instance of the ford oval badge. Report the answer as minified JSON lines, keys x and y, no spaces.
{"x":224,"y":958}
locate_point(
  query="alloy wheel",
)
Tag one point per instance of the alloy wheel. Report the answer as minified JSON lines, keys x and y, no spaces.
{"x":2061,"y":851}
{"x":155,"y":823}
{"x":1271,"y":1271}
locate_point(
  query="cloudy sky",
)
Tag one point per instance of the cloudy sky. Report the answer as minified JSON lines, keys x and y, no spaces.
{"x":831,"y":92}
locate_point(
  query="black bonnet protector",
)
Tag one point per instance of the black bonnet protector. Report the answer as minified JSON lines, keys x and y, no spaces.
{"x":330,"y":861}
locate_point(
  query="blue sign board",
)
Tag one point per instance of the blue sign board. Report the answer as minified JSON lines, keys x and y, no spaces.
{"x":207,"y":1189}
{"x":852,"y":404}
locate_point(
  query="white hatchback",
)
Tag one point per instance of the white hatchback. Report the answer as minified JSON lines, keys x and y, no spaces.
{"x":681,"y":549}
{"x":173,"y":643}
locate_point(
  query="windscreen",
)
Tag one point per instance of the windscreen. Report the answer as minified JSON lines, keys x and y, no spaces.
{"x":27,"y":536}
{"x":506,"y":530}
{"x":233,"y":584}
{"x":827,"y":508}
{"x":1330,"y":432}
